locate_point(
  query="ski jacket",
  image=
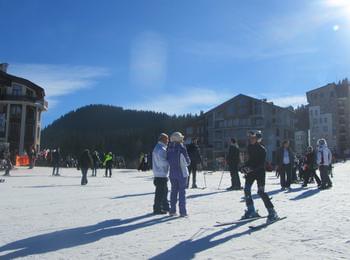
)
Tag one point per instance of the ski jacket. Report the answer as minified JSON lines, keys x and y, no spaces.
{"x":324,"y":156}
{"x":256,"y":157}
{"x":310,"y":160}
{"x":85,"y":160}
{"x":280,"y":156}
{"x":108,"y":160}
{"x":178,"y":160}
{"x":160,"y":164}
{"x":194,"y":153}
{"x":233,"y":156}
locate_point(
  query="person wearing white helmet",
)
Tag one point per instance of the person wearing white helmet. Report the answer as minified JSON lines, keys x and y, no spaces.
{"x":324,"y":161}
{"x":178,"y":160}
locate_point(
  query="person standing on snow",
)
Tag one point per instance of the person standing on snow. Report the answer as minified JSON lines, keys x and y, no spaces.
{"x":56,"y":160}
{"x":324,"y":161}
{"x":285,"y":163}
{"x":178,"y":160}
{"x":310,"y":167}
{"x":96,"y":163}
{"x":108,"y":163}
{"x":254,"y":169}
{"x":160,"y":168}
{"x":233,"y":161}
{"x":85,"y":162}
{"x":195,"y":156}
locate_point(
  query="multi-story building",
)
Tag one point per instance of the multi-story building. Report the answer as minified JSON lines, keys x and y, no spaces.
{"x":21,"y":104}
{"x":329,"y":113}
{"x":301,"y":142}
{"x":235,"y":118}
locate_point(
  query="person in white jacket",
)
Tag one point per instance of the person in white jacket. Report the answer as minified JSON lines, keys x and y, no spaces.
{"x":324,"y":161}
{"x":160,"y":168}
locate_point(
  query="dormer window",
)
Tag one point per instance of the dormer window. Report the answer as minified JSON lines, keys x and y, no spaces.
{"x":16,"y":90}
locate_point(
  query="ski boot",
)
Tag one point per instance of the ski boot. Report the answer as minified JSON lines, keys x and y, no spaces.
{"x":272,"y":215}
{"x":250,"y":213}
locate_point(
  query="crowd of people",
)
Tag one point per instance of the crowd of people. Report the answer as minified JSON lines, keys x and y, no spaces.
{"x":177,"y":162}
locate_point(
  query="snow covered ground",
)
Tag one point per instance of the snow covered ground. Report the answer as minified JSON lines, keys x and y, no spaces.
{"x":45,"y":217}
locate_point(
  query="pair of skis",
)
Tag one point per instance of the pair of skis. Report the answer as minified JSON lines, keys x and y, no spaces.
{"x":252,"y":227}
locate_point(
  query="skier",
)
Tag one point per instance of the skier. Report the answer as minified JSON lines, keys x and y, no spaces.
{"x":108,"y":163}
{"x":178,"y":160}
{"x":310,"y":168}
{"x":85,"y":162}
{"x":233,"y":161}
{"x":285,"y":163}
{"x":194,"y":154}
{"x":96,"y":163}
{"x":160,"y":168}
{"x":254,"y":169}
{"x":7,"y":164}
{"x":56,"y":159}
{"x":32,"y":156}
{"x":324,"y":160}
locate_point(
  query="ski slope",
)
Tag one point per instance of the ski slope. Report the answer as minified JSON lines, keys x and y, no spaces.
{"x":46,"y":217}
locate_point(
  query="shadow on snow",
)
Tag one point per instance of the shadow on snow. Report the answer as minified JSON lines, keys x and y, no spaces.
{"x":306,"y":194}
{"x":73,"y":237}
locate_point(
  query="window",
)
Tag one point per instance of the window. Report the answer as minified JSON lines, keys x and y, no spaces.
{"x":16,"y":110}
{"x":189,"y":130}
{"x":16,"y":90}
{"x":277,"y":132}
{"x":29,"y":93}
{"x":325,"y":129}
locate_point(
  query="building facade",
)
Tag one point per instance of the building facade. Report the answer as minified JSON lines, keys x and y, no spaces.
{"x":301,"y":142}
{"x":329,"y":113}
{"x":234,"y":119}
{"x":21,"y":105}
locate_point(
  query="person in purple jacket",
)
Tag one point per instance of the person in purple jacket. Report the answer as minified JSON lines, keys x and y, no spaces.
{"x":178,"y":160}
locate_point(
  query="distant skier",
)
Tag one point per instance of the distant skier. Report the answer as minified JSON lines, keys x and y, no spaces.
{"x":179,"y":160}
{"x":56,"y":160}
{"x":254,"y":169}
{"x":310,"y":167}
{"x":96,"y":163}
{"x":108,"y":164}
{"x":85,"y":162}
{"x":32,"y":156}
{"x":285,"y":164}
{"x":324,"y":161}
{"x":160,"y":168}
{"x":7,"y":164}
{"x":233,"y":162}
{"x":195,"y":156}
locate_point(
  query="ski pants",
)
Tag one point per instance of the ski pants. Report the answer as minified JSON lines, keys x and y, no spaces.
{"x":259,"y":177}
{"x":161,"y":194}
{"x":325,"y":180}
{"x":235,"y":180}
{"x":178,"y":190}
{"x":311,"y":173}
{"x":84,"y":172}
{"x":108,"y":169}
{"x":192,"y":169}
{"x":286,"y":175}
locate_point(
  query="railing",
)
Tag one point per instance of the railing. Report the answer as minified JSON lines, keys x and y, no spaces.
{"x":18,"y":98}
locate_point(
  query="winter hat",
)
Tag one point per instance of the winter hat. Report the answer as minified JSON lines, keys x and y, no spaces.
{"x":177,"y":137}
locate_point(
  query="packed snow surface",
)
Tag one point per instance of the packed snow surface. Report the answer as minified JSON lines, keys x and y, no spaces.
{"x":46,"y":217}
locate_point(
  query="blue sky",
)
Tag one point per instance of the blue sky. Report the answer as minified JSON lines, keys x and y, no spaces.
{"x":174,"y":56}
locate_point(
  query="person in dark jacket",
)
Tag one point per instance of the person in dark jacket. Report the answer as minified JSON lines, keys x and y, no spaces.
{"x":285,"y":164}
{"x":31,"y":156}
{"x":85,"y":162}
{"x":96,"y":163}
{"x":310,"y":167}
{"x":56,"y":159}
{"x":194,"y":154}
{"x":254,"y":169}
{"x":233,"y":161}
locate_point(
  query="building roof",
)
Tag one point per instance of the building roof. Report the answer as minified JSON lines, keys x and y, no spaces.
{"x":252,"y":98}
{"x":8,"y":79}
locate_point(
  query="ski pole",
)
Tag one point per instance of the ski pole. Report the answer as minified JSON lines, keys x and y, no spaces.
{"x":222,"y":175}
